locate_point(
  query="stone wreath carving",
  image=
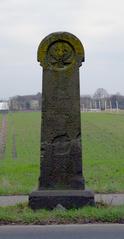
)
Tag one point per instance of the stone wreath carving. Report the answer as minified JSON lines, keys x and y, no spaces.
{"x":60,"y":54}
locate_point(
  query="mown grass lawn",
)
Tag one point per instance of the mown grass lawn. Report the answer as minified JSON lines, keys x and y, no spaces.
{"x":21,"y":214}
{"x":103,"y":150}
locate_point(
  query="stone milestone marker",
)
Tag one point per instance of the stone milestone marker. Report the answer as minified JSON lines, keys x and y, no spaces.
{"x":61,"y":179}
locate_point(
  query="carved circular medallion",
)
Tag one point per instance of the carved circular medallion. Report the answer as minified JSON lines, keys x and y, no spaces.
{"x":60,"y":54}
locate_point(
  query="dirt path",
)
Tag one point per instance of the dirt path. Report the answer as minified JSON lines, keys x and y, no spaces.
{"x":3,"y":134}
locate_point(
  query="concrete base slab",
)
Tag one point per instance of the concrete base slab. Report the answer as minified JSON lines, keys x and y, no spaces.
{"x":67,"y":198}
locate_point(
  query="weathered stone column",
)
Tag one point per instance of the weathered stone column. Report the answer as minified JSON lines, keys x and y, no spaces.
{"x":61,"y":178}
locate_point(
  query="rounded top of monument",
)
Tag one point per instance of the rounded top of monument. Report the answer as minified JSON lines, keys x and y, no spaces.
{"x":59,"y":50}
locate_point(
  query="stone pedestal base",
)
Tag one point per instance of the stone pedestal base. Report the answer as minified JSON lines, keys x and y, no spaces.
{"x":67,"y":198}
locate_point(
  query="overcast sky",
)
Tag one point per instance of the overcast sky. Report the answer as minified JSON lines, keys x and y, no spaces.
{"x":97,"y":23}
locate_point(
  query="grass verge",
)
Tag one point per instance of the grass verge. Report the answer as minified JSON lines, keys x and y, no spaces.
{"x":21,"y":214}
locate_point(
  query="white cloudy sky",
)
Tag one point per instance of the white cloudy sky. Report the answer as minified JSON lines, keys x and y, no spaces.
{"x":98,"y":24}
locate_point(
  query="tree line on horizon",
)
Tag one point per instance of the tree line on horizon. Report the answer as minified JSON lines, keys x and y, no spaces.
{"x":101,"y":100}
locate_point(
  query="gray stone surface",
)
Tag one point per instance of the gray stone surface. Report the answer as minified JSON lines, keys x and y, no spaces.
{"x":60,"y":54}
{"x":110,"y":199}
{"x":60,"y":207}
{"x":13,"y":200}
{"x":67,"y":198}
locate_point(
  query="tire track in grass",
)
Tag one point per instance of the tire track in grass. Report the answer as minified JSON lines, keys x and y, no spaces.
{"x":3,"y":134}
{"x":14,"y":151}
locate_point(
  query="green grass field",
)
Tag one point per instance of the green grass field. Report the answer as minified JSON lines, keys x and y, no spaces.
{"x":103,"y":150}
{"x":20,"y":168}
